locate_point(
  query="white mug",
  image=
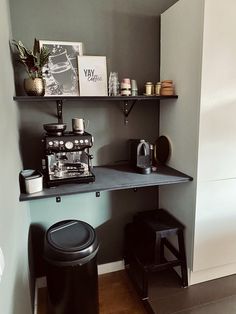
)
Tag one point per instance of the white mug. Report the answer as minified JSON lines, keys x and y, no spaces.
{"x":78,"y":125}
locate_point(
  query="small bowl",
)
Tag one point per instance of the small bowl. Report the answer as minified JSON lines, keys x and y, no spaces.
{"x":54,"y":128}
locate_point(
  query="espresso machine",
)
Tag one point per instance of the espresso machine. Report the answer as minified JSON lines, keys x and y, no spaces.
{"x":67,"y":157}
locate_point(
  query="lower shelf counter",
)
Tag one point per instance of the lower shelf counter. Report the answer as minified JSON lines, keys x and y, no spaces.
{"x":110,"y":178}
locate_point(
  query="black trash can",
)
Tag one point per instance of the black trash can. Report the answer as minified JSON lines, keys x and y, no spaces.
{"x":70,"y":252}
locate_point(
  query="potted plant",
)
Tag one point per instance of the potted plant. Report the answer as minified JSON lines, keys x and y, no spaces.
{"x":33,"y":61}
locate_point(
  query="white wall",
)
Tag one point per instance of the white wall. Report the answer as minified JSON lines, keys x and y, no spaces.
{"x":14,"y":219}
{"x":215,"y":233}
{"x":218,"y":110}
{"x":181,"y":53}
{"x":198,"y":53}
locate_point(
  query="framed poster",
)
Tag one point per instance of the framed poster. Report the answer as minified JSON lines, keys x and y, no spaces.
{"x":92,"y":75}
{"x":61,"y":72}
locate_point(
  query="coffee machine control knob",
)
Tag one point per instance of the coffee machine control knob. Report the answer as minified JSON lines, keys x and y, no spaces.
{"x":55,"y":143}
{"x":76,"y":142}
{"x":81,"y":141}
{"x":69,"y":145}
{"x":61,"y":142}
{"x":50,"y":143}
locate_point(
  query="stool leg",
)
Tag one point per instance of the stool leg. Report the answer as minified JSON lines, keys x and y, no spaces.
{"x":162,"y":251}
{"x":183,"y":258}
{"x":134,"y":266}
{"x":158,"y":252}
{"x":144,"y":284}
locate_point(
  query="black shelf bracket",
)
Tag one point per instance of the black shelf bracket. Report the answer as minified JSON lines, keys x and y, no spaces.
{"x":59,"y":111}
{"x":127,"y":109}
{"x":58,"y":199}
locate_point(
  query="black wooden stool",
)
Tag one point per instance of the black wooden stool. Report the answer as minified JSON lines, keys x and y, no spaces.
{"x":145,"y":243}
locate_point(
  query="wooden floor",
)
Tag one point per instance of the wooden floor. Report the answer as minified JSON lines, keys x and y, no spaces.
{"x":166,"y":296}
{"x":116,"y":296}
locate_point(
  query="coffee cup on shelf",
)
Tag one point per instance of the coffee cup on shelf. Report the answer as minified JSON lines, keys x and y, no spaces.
{"x":79,"y":125}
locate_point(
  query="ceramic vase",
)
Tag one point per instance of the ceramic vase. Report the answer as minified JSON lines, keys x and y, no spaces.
{"x":34,"y":87}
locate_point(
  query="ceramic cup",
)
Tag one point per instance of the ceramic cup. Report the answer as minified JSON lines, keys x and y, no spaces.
{"x":32,"y":181}
{"x":78,"y":125}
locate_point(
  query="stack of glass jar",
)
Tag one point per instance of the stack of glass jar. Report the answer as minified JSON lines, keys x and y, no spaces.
{"x":113,"y":84}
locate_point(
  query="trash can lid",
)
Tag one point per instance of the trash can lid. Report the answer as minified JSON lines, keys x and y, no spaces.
{"x":70,"y":241}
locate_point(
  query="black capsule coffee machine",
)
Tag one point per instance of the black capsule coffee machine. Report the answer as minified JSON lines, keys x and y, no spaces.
{"x":140,"y":156}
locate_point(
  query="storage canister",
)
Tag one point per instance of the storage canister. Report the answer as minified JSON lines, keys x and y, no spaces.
{"x":149,"y":88}
{"x":158,"y":88}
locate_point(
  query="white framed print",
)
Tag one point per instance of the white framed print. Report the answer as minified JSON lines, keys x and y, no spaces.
{"x":92,"y":75}
{"x":61,"y":72}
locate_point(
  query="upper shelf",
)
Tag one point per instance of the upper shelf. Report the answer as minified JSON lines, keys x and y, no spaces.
{"x":102,"y":98}
{"x":60,"y":100}
{"x":111,"y":178}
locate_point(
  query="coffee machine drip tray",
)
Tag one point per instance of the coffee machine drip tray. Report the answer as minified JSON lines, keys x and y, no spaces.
{"x":68,"y":167}
{"x":71,"y":178}
{"x":70,"y":174}
{"x":70,"y":171}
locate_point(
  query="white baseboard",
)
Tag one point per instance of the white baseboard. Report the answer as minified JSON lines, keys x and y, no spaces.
{"x":212,"y":273}
{"x":110,"y":267}
{"x":40,"y":282}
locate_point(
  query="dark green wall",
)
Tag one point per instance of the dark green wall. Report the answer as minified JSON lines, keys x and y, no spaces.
{"x":127,"y":32}
{"x":14,"y":217}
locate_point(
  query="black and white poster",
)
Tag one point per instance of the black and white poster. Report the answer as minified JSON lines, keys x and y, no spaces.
{"x":61,"y":72}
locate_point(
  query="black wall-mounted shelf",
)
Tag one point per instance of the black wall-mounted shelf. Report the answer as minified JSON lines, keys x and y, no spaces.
{"x":128,"y":101}
{"x":80,"y":98}
{"x":112,"y":178}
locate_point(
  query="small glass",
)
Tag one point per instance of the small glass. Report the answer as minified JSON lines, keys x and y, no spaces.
{"x":113,"y":85}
